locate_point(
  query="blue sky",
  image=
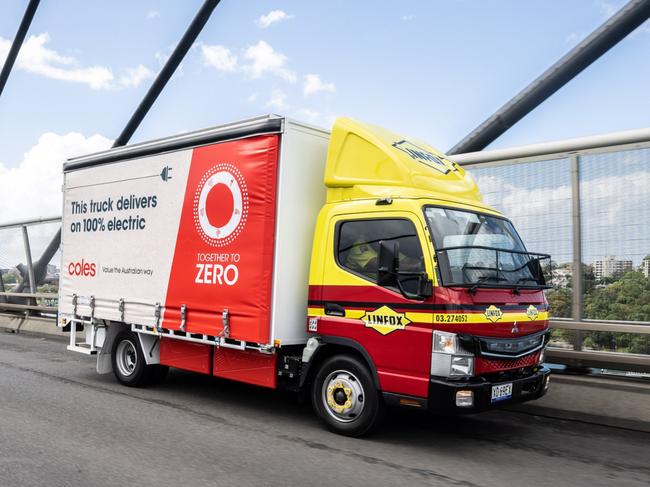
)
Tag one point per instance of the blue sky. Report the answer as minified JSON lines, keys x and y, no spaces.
{"x":433,"y":69}
{"x":430,"y":69}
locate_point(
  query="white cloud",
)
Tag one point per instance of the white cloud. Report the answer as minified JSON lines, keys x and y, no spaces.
{"x":252,"y":97}
{"x":257,"y":60}
{"x":134,"y":76}
{"x":219,"y":57}
{"x":407,"y":18}
{"x":152,"y":14}
{"x":35,"y":57}
{"x":277,"y":100}
{"x":33,"y":188}
{"x":272,"y":17}
{"x":313,"y":84}
{"x":264,"y":59}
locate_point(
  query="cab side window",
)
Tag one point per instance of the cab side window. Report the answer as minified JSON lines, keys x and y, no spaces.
{"x":357,"y":248}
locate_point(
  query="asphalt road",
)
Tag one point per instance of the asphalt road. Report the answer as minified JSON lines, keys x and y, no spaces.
{"x":62,"y":425}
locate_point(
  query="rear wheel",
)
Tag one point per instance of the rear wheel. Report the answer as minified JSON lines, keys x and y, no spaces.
{"x":129,"y":365}
{"x":345,"y":397}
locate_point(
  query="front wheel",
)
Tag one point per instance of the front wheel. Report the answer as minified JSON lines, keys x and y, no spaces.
{"x":345,"y":397}
{"x":129,"y":365}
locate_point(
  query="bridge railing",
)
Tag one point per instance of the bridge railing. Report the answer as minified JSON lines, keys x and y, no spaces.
{"x":21,"y":288}
{"x":586,"y":202}
{"x":578,"y":356}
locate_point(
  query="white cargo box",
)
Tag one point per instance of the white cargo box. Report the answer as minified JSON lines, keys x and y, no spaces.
{"x":173,"y":232}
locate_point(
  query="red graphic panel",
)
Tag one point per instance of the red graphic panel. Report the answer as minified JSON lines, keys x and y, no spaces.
{"x":224,"y":249}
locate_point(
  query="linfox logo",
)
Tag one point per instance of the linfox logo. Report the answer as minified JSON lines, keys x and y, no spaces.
{"x":424,"y":156}
{"x":83,"y":269}
{"x":532,"y":312}
{"x":221,"y":205}
{"x":493,"y":313}
{"x":385,"y":320}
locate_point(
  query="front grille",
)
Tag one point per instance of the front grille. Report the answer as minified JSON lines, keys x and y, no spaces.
{"x":510,"y":346}
{"x":487,"y":365}
{"x":503,"y":348}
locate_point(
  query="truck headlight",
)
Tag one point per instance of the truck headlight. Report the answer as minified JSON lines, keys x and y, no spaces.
{"x":444,"y":342}
{"x":462,"y":365}
{"x":448,"y":359}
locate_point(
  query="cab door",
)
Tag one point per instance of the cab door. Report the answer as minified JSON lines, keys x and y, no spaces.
{"x":394,"y":331}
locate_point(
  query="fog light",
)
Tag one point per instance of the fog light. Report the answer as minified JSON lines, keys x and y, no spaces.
{"x":464,"y":399}
{"x":462,"y":365}
{"x":547,"y":379}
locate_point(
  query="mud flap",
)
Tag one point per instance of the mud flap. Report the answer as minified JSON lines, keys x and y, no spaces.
{"x":104,"y":364}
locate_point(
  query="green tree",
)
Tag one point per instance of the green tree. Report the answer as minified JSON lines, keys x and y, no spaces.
{"x":626,"y":299}
{"x":559,"y":300}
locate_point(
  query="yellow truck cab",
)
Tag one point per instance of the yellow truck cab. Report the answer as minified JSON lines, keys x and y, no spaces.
{"x":429,"y":288}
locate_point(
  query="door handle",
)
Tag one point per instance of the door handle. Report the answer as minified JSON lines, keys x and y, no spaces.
{"x":334,"y":309}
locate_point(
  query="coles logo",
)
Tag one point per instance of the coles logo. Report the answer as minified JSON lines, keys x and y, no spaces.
{"x":83,"y":268}
{"x":221,"y":205}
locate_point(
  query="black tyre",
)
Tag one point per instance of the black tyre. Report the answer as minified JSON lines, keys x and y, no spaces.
{"x":129,"y":365}
{"x":344,"y":396}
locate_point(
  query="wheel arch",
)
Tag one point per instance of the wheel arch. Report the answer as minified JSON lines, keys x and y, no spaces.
{"x":330,"y":346}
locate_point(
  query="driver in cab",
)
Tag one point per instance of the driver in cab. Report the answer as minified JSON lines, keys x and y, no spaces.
{"x":363,"y":258}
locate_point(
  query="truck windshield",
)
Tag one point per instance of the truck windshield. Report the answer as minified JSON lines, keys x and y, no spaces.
{"x":478,"y":250}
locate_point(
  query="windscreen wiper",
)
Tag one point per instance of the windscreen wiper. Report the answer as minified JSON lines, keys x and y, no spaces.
{"x":523,"y":279}
{"x":481,"y":280}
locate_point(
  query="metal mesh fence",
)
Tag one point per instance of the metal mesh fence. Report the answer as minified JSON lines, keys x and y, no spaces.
{"x":615,"y":228}
{"x":536,"y":196}
{"x":614,"y":212}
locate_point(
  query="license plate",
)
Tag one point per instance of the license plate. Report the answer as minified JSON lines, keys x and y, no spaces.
{"x":501,"y":392}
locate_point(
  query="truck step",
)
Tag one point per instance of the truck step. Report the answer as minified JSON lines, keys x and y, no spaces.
{"x":85,"y":349}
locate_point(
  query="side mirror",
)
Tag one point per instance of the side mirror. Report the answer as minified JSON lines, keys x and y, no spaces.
{"x":388,"y":264}
{"x":535,"y":268}
{"x":425,"y":287}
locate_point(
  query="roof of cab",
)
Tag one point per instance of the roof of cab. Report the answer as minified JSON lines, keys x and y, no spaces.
{"x":364,"y":158}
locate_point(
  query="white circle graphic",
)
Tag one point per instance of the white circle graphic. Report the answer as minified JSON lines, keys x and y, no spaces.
{"x":233,"y":181}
